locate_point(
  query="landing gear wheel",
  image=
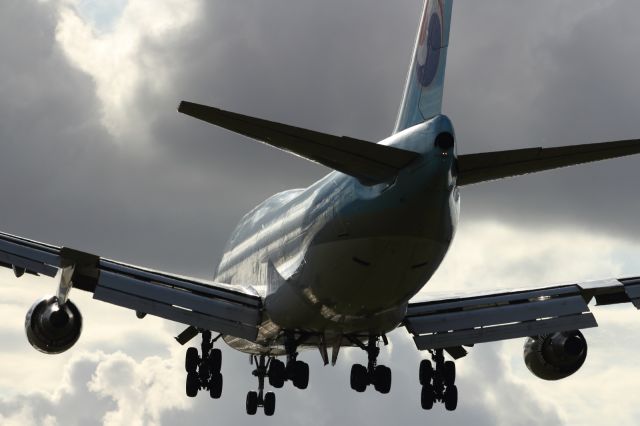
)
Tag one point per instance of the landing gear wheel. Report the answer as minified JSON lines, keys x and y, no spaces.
{"x":426,"y":372}
{"x":437,"y":378}
{"x":191,"y":360}
{"x":382,"y":379}
{"x":269,"y":404}
{"x":215,"y":361}
{"x":359,"y":379}
{"x":192,"y":385}
{"x":449,"y":373}
{"x":252,"y":403}
{"x":276,"y":373}
{"x":301,"y":375}
{"x":451,"y":398}
{"x":427,"y":397}
{"x":215,"y":386}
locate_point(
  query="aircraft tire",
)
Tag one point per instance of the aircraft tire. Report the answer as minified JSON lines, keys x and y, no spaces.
{"x":191,"y":360}
{"x":359,"y":379}
{"x":382,"y":379}
{"x":215,"y":386}
{"x":192,"y":385}
{"x":252,"y":403}
{"x":449,"y":373}
{"x":215,"y":360}
{"x":426,"y":372}
{"x":427,"y":397}
{"x":451,"y":398}
{"x":269,"y":404}
{"x":276,"y":373}
{"x":301,"y":375}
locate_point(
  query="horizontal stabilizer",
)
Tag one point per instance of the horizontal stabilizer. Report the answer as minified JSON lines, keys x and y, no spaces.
{"x":486,"y":166}
{"x":369,"y":162}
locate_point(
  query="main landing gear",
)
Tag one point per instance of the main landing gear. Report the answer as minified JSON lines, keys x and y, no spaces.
{"x":259,"y":398}
{"x":377,"y":375}
{"x":203,"y":372}
{"x":295,"y":371}
{"x":277,"y":372}
{"x":438,"y":384}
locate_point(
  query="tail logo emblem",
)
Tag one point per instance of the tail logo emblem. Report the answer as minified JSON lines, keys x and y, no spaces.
{"x":429,"y":43}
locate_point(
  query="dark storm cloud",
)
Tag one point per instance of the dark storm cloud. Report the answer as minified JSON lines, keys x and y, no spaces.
{"x":519,"y":75}
{"x":549,"y":74}
{"x":535,"y":74}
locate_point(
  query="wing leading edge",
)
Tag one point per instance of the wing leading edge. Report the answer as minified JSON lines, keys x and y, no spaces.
{"x":213,"y":306}
{"x":451,"y":323}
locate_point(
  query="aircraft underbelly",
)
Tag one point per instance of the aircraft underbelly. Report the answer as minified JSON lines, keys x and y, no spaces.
{"x":365,"y":291}
{"x":365,"y":288}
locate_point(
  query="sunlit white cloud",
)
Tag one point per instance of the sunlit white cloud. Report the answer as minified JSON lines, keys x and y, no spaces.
{"x":121,"y":60}
{"x":98,"y":388}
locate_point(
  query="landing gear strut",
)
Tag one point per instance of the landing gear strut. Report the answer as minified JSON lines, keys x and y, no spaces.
{"x":438,"y":384}
{"x":296,"y":371}
{"x":259,"y":398}
{"x":203,"y":372}
{"x":373,"y":374}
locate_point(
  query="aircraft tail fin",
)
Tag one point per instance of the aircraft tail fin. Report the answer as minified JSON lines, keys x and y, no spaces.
{"x":369,"y":162}
{"x":422,"y":98}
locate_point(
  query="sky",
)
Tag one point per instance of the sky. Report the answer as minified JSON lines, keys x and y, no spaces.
{"x":95,"y":157}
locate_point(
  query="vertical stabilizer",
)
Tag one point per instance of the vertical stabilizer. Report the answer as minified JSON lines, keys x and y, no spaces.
{"x":422,"y":98}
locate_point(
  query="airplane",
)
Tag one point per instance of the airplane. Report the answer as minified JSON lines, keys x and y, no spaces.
{"x":337,"y":264}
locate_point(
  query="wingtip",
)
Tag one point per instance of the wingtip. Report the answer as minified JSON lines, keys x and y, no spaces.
{"x":181,"y":106}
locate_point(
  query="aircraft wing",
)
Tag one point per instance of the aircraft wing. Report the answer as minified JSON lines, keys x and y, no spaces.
{"x":456,"y":322}
{"x":218,"y":307}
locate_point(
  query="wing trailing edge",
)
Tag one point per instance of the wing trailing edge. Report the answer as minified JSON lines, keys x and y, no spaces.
{"x":487,"y":166}
{"x":369,"y":162}
{"x":466,"y":321}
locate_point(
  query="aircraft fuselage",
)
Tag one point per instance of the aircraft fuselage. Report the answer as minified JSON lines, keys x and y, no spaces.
{"x":340,"y":257}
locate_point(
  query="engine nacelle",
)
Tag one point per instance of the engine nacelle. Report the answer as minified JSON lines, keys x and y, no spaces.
{"x":555,"y":356}
{"x":51,"y":328}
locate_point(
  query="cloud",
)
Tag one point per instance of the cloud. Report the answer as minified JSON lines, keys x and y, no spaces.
{"x":115,"y":389}
{"x":105,"y":389}
{"x":548,"y":74}
{"x":122,"y":61}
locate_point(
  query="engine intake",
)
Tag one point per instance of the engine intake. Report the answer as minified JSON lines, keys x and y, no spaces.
{"x":53,"y":328}
{"x":555,"y":356}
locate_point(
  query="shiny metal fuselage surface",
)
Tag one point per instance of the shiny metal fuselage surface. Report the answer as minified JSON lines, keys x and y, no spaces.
{"x":340,"y":257}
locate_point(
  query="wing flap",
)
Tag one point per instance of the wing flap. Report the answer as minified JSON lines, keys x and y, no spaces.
{"x":506,"y":315}
{"x":30,"y":255}
{"x":231,"y":310}
{"x":178,"y":305}
{"x":504,"y":332}
{"x":369,"y":162}
{"x":502,"y":314}
{"x":487,"y":166}
{"x":29,"y":265}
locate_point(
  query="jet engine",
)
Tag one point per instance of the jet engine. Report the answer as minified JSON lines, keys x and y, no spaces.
{"x":53,"y":328}
{"x":555,"y":356}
